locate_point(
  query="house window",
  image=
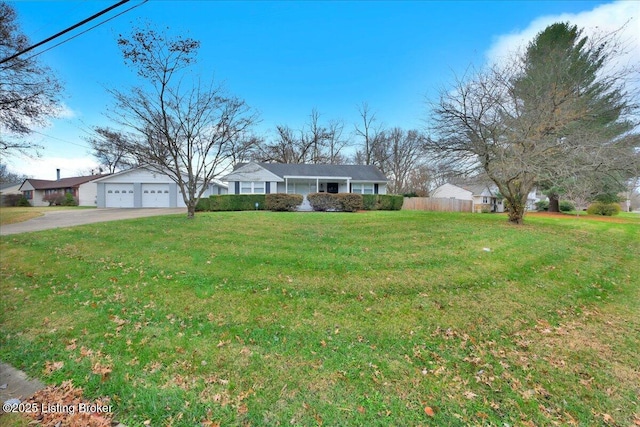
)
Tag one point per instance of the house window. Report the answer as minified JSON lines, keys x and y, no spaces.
{"x":485,"y":200}
{"x":28,"y":194}
{"x":252,"y":187}
{"x":246,"y":187}
{"x":362,"y":188}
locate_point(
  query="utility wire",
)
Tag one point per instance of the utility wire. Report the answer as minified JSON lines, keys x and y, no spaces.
{"x":73,"y":27}
{"x":85,"y":31}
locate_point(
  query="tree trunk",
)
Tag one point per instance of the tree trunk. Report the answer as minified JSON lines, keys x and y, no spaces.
{"x":516,"y":210}
{"x":191,"y":210}
{"x":554,"y":202}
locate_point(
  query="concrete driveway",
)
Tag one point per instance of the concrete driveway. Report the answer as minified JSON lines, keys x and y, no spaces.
{"x":70,"y":218}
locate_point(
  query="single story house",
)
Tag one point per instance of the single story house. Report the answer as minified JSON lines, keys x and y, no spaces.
{"x":266,"y":178}
{"x":485,"y":197}
{"x":83,"y":189}
{"x":144,"y":188}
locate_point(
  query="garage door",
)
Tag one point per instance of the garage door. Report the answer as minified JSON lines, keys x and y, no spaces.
{"x":155,"y":195}
{"x":119,"y":195}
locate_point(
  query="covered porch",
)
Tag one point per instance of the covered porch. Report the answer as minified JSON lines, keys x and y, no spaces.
{"x":320,"y":184}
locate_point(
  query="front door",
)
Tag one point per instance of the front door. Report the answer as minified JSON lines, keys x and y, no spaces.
{"x":332,"y":187}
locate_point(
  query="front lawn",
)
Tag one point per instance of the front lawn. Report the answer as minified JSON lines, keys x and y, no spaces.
{"x":376,"y":318}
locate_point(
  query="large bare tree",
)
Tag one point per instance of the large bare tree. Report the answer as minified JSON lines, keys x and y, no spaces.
{"x":315,"y":143}
{"x":185,"y":128}
{"x":371,"y":132}
{"x":398,"y":154}
{"x":29,"y":91}
{"x":534,"y":121}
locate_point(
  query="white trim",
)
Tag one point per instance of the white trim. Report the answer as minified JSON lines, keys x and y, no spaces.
{"x":310,"y":177}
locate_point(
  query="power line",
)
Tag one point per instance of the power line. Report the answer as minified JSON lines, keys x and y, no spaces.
{"x":85,"y":31}
{"x":60,"y":139}
{"x":73,"y":27}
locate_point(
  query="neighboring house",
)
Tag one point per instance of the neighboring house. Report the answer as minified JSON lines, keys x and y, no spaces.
{"x":485,"y":197}
{"x":9,"y":189}
{"x":266,"y":178}
{"x":144,"y":188}
{"x":82,"y":187}
{"x":482,"y":196}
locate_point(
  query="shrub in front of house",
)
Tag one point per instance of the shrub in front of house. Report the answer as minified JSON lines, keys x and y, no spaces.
{"x":54,"y":199}
{"x":606,"y":209}
{"x":323,"y":202}
{"x":236,"y":202}
{"x":203,"y":205}
{"x":350,"y":202}
{"x":69,"y":200}
{"x":23,"y":202}
{"x":370,"y":202}
{"x":281,"y":202}
{"x":12,"y":200}
{"x":382,"y":202}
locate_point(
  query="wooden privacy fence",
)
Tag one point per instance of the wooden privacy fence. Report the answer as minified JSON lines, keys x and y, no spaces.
{"x":437,"y":204}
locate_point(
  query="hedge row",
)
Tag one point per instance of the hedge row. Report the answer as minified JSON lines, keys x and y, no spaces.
{"x":281,"y":202}
{"x":340,"y":202}
{"x":237,"y":202}
{"x":382,"y":202}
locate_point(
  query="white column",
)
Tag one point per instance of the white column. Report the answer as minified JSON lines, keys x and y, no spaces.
{"x":317,"y":185}
{"x":286,"y":185}
{"x":348,"y":182}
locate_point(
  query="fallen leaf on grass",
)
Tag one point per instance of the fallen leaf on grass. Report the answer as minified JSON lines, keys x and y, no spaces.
{"x":470,"y":395}
{"x":101,"y":370}
{"x":50,"y":367}
{"x":608,"y":419}
{"x":66,"y":395}
{"x":429,"y":411}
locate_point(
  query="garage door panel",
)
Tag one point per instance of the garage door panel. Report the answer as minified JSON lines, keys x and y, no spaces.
{"x":119,"y":195}
{"x":155,"y":196}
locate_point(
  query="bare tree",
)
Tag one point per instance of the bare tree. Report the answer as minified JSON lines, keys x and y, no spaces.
{"x":398,"y":154}
{"x":187,"y":131}
{"x":109,"y":147}
{"x":8,"y":177}
{"x":419,"y":180}
{"x":29,"y":91}
{"x":523,"y":125}
{"x":315,"y":143}
{"x":371,"y":133}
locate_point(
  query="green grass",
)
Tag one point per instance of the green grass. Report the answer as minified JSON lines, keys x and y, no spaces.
{"x":258,"y":318}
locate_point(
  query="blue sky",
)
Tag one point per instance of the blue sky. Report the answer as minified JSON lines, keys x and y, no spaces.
{"x":285,"y":58}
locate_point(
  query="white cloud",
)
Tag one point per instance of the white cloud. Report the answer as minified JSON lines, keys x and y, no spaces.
{"x":45,"y":167}
{"x":65,"y":112}
{"x":604,"y":18}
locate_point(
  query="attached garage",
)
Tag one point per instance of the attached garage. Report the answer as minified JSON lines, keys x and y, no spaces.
{"x":118,"y":195}
{"x":144,"y":188}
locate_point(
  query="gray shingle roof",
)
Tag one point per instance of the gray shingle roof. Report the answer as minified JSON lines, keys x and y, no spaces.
{"x":44,"y":184}
{"x":356,"y":172}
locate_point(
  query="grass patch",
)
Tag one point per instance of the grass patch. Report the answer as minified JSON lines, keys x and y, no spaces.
{"x":339,"y":319}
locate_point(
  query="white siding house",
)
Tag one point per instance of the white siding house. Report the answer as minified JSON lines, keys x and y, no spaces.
{"x":484,"y":197}
{"x":265,"y":178}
